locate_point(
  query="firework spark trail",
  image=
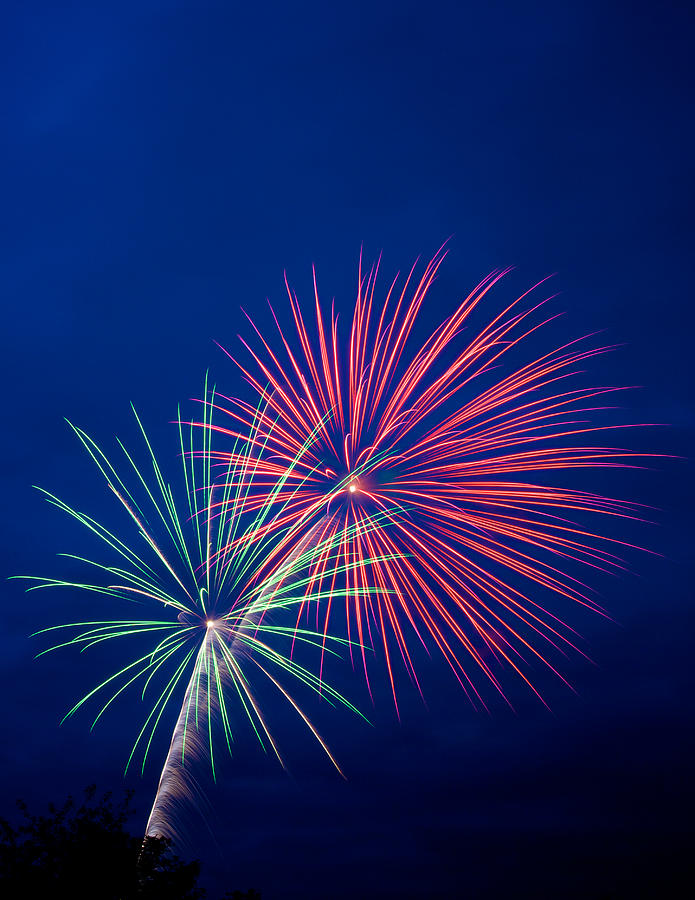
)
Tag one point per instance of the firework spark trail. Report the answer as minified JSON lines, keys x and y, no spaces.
{"x":444,"y":442}
{"x":177,"y":780}
{"x":303,"y":545}
{"x":211,"y":569}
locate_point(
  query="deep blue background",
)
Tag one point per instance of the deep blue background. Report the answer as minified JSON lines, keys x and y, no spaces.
{"x":162,"y":164}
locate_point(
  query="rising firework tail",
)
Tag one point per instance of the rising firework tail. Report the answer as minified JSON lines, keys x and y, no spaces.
{"x":445,"y":439}
{"x":215,"y":587}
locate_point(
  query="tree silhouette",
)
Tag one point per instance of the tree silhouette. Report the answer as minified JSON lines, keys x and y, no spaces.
{"x":86,"y":852}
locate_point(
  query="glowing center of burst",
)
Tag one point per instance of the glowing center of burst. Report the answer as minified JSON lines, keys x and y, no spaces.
{"x":352,"y":488}
{"x":209,"y":623}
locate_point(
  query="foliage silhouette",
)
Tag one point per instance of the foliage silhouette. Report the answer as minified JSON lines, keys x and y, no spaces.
{"x":86,"y":851}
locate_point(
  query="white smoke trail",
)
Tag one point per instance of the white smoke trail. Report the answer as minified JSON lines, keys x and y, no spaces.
{"x":189,"y":740}
{"x":176,"y":780}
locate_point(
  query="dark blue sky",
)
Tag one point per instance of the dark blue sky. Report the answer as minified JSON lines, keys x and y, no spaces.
{"x":162,"y":164}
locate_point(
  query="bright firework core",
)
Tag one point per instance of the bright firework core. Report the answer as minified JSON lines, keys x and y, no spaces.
{"x":353,"y":487}
{"x":197,"y":619}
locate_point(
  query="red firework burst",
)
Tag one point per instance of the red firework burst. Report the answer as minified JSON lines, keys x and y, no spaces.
{"x":444,"y":448}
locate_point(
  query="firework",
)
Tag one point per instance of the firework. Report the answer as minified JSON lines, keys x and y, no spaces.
{"x":444,"y":436}
{"x":211,"y":585}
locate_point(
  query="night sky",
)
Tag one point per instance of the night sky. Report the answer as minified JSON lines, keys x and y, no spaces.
{"x":163,"y":163}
